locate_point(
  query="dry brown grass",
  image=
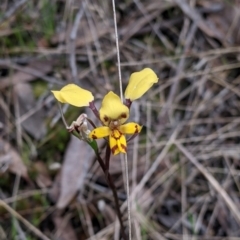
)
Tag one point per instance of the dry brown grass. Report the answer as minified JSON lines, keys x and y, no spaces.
{"x":184,"y":166}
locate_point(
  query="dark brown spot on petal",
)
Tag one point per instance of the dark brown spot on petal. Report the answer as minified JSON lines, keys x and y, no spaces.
{"x":114,"y":148}
{"x":124,"y":147}
{"x":105,"y":118}
{"x":94,"y":136}
{"x":123,"y":115}
{"x":136,"y":129}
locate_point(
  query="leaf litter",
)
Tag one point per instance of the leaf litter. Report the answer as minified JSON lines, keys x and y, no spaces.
{"x":10,"y":160}
{"x":193,"y":47}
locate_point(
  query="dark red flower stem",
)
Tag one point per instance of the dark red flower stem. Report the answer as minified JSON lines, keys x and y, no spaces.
{"x":91,"y":122}
{"x":107,"y":158}
{"x":114,"y":191}
{"x":94,"y":109}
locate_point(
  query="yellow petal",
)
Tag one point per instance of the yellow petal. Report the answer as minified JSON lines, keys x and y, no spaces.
{"x":139,"y":83}
{"x":130,"y":128}
{"x":113,"y":109}
{"x":122,"y":144}
{"x":113,"y":145}
{"x":74,"y":95}
{"x":118,"y":144}
{"x":99,"y":132}
{"x":58,"y":96}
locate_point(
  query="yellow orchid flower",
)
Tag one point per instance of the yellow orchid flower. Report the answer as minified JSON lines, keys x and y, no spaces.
{"x":113,"y":113}
{"x":139,"y":83}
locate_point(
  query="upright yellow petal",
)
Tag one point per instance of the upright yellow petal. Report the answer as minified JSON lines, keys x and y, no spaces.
{"x":99,"y":132}
{"x":130,"y":128}
{"x":113,"y":109}
{"x":74,"y":95}
{"x":139,"y":83}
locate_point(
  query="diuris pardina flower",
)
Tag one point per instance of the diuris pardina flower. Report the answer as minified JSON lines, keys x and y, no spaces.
{"x":113,"y":113}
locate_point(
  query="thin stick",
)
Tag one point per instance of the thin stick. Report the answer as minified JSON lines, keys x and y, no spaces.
{"x":128,"y":194}
{"x":73,"y":36}
{"x":62,"y":115}
{"x":121,"y":95}
{"x":118,"y":52}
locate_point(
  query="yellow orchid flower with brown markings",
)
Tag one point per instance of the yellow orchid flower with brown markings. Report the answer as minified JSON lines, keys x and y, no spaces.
{"x":113,"y":113}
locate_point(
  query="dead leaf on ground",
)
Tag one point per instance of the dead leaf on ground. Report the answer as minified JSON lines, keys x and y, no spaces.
{"x":11,"y":160}
{"x":34,"y":124}
{"x":77,"y":160}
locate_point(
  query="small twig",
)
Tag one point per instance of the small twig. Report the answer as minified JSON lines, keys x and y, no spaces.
{"x":18,"y":176}
{"x":128,"y":199}
{"x":183,"y":196}
{"x":91,"y":122}
{"x":135,"y":147}
{"x":118,"y":52}
{"x":33,"y":110}
{"x":25,"y":195}
{"x":32,"y":228}
{"x":87,"y":219}
{"x":148,"y":125}
{"x":107,"y":160}
{"x":94,"y":109}
{"x":62,"y":115}
{"x":135,"y":158}
{"x":73,"y":36}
